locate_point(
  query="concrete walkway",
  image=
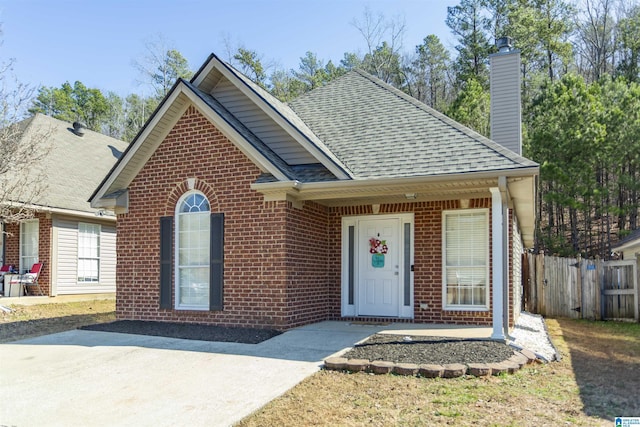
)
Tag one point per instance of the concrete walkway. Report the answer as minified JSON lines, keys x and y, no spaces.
{"x":81,"y":378}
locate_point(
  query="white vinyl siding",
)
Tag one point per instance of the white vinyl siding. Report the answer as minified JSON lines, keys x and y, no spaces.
{"x":506,"y":120}
{"x":261,"y":124}
{"x":466,"y":259}
{"x":66,"y":271}
{"x":518,"y":250}
{"x":29,"y":242}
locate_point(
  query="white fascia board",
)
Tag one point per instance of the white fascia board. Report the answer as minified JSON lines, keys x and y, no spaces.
{"x":330,"y":162}
{"x":140,"y":140}
{"x":62,"y":211}
{"x":627,"y":245}
{"x":374,"y":184}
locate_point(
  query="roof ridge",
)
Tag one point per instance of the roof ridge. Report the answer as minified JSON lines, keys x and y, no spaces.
{"x":328,"y":84}
{"x":488,"y":142}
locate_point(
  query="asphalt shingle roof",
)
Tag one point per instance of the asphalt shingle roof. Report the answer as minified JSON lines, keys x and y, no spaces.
{"x":378,"y":131}
{"x":73,"y":166}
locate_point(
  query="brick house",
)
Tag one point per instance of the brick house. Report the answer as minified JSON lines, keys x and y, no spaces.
{"x":354,"y":201}
{"x":76,"y":242}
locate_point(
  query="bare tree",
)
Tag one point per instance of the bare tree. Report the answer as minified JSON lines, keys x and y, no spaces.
{"x":161,"y":66}
{"x":21,"y":149}
{"x":596,"y":38}
{"x":384,"y":39}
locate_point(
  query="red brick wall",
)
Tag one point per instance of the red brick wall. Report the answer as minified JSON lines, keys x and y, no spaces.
{"x":12,"y":248}
{"x":308,"y":249}
{"x":255,"y":277}
{"x":427,"y":259}
{"x":282,"y":264}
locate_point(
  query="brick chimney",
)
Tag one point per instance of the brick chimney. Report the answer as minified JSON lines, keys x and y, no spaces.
{"x":506,"y":116}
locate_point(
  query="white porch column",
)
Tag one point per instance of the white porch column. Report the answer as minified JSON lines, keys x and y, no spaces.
{"x":497,"y":252}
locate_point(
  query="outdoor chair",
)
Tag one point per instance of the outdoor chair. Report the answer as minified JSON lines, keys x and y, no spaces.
{"x":31,"y":278}
{"x":4,"y":270}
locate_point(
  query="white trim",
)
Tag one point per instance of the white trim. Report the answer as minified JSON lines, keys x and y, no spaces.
{"x":98,"y":258}
{"x":351,"y":310}
{"x":22,"y":267}
{"x":463,"y":307}
{"x":70,"y":212}
{"x":176,"y":257}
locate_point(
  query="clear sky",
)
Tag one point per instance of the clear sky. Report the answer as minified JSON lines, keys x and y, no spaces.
{"x":97,"y":41}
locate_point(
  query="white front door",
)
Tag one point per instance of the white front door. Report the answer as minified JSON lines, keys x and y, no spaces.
{"x":379,"y":250}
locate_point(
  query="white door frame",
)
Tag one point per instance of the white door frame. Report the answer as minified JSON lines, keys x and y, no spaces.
{"x":350,"y":265}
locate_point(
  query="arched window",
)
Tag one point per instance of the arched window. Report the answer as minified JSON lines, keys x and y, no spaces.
{"x":192,"y":246}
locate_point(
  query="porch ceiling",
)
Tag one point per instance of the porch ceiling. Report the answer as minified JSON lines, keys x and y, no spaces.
{"x":521,"y":193}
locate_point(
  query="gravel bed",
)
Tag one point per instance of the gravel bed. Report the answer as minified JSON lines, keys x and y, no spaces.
{"x":429,"y":350}
{"x":187,"y":331}
{"x":531,"y":333}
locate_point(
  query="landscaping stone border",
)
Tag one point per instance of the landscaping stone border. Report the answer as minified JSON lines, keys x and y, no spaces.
{"x":519,"y":359}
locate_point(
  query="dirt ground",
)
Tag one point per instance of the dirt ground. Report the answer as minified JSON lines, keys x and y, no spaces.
{"x":28,"y":321}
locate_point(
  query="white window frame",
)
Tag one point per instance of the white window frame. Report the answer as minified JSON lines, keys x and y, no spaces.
{"x":1,"y":243}
{"x":179,"y":216}
{"x":445,"y":268}
{"x":28,"y":259}
{"x":88,"y":233}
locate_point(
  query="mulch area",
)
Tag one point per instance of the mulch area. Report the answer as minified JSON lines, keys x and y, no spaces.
{"x":390,"y":348}
{"x":429,"y":350}
{"x":187,"y":331}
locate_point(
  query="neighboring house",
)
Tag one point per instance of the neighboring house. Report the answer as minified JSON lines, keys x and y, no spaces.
{"x":353,"y":202}
{"x":629,"y":247}
{"x":75,"y":242}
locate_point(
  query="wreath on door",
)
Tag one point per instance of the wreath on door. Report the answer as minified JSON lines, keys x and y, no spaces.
{"x":378,"y":248}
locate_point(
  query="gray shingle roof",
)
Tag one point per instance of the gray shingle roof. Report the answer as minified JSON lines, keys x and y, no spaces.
{"x":74,"y":166}
{"x":378,"y":131}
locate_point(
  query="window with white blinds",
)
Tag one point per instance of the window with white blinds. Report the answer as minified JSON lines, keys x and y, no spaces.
{"x":466,"y":259}
{"x":88,"y":253}
{"x":29,"y":238}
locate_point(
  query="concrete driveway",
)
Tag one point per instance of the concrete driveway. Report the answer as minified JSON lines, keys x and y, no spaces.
{"x":87,"y":378}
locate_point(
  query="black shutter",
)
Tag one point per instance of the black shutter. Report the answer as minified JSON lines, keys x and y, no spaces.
{"x":166,"y":260}
{"x":216,"y":271}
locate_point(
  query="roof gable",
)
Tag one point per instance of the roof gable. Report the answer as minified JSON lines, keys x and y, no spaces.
{"x":381,"y":132}
{"x":233,"y":89}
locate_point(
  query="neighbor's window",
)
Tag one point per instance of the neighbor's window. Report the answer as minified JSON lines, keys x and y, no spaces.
{"x":466,"y":259}
{"x":193,"y":226}
{"x":28,"y":244}
{"x":88,"y":252}
{"x":1,"y":243}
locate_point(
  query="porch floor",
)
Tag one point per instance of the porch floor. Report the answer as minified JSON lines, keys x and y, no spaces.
{"x":438,"y":330}
{"x":419,"y":329}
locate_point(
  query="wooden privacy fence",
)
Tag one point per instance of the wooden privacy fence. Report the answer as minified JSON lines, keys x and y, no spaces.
{"x":580,"y":288}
